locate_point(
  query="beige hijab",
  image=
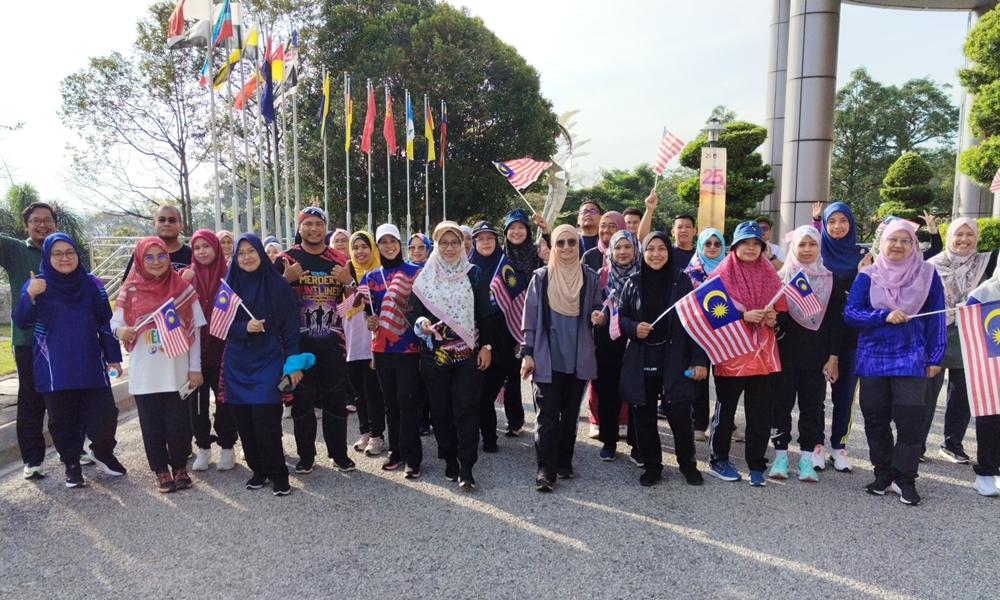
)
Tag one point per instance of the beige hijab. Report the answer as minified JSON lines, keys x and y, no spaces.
{"x":565,"y":276}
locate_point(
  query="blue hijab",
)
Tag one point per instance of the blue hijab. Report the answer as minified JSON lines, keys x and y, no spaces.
{"x":709,"y":264}
{"x":74,"y":289}
{"x":264,"y":291}
{"x":427,"y":244}
{"x":840,"y":256}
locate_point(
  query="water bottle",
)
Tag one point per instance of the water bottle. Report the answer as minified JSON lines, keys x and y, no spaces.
{"x":113,"y":373}
{"x":688,"y":373}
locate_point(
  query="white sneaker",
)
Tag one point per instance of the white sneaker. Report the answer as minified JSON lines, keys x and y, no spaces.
{"x":286,"y":412}
{"x":986,"y":485}
{"x":318,"y":412}
{"x":622,"y":431}
{"x":85,"y":459}
{"x":375,"y":446}
{"x":359,"y":446}
{"x":739,"y":436}
{"x":227,"y":460}
{"x":838,"y":458}
{"x":202,"y":459}
{"x":351,"y":408}
{"x":819,"y":459}
{"x":595,"y":431}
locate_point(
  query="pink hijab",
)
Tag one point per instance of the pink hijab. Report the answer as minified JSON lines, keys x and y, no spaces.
{"x":617,"y":218}
{"x":900,"y":284}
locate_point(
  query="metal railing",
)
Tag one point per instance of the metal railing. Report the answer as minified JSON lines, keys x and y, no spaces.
{"x":108,"y":257}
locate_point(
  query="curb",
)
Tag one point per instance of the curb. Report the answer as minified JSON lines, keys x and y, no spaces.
{"x":123,"y":400}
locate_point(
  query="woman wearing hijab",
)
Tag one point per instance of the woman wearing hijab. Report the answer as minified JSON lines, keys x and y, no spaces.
{"x":341,"y":241}
{"x":272,"y":246}
{"x":961,"y":270}
{"x":467,"y":239}
{"x":987,"y":466}
{"x":206,"y":273}
{"x":396,"y":350}
{"x":611,"y":222}
{"x":752,"y":284}
{"x":517,"y":246}
{"x":418,"y":249}
{"x":450,"y":309}
{"x":564,"y":299}
{"x":504,"y":363}
{"x":810,"y":354}
{"x":659,"y":360}
{"x":154,"y":378}
{"x":226,"y":240}
{"x":358,"y":340}
{"x":843,"y":257}
{"x":623,"y":259}
{"x":258,"y":352}
{"x":897,"y":355}
{"x":74,"y":350}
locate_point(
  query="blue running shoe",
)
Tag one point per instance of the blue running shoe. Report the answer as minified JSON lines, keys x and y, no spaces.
{"x":757,"y":479}
{"x":608,"y":453}
{"x":779,"y":470}
{"x":724,"y":470}
{"x":807,"y":472}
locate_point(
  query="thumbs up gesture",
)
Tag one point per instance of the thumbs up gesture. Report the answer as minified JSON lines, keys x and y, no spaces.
{"x":35,"y":286}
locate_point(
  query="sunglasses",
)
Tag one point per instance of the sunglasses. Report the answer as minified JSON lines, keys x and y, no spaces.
{"x":588,"y":211}
{"x":712,"y":244}
{"x":765,"y":227}
{"x":571,"y":243}
{"x":170,"y":220}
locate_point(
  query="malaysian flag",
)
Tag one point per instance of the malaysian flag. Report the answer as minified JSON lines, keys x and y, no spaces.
{"x":224,"y":311}
{"x":168,"y":324}
{"x":711,"y":319}
{"x":981,"y":355}
{"x":670,"y":146}
{"x":392,"y":314}
{"x":995,"y":185}
{"x":802,"y":295}
{"x":509,"y":292}
{"x":521,"y":172}
{"x":344,"y":306}
{"x":614,"y":328}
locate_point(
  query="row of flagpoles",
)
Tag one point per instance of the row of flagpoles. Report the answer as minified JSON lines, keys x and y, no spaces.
{"x":273,"y":83}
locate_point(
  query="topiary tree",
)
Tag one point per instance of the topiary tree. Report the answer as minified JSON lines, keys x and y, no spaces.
{"x":907,"y":182}
{"x":982,"y":78}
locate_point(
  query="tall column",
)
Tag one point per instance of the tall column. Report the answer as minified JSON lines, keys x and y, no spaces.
{"x":774,"y":118}
{"x":813,"y":32}
{"x":970,"y":200}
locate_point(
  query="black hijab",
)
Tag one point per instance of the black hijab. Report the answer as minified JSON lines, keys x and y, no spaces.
{"x":656,"y":287}
{"x":487,"y":263}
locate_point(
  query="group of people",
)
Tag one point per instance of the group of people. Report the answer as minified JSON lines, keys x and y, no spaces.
{"x":427,"y":340}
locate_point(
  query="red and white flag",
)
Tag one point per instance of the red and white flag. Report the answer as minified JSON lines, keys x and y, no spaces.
{"x":614,"y":327}
{"x":171,"y":331}
{"x":175,"y":29}
{"x":670,"y":146}
{"x":711,"y":319}
{"x":995,"y":186}
{"x":521,"y":172}
{"x":802,"y":295}
{"x":223,"y":311}
{"x":981,"y":355}
{"x":344,"y":306}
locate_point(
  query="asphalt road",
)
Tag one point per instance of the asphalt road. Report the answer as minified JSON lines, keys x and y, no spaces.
{"x":373,"y":534}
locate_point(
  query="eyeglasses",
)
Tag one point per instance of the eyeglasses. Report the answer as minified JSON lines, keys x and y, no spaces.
{"x":68,"y":254}
{"x":171,"y":220}
{"x":765,"y":227}
{"x":571,"y":242}
{"x":449,"y":244}
{"x":420,"y":248}
{"x":607,"y":227}
{"x":246,"y":254}
{"x":712,"y":244}
{"x":49,"y":221}
{"x":588,"y":211}
{"x":155,"y":258}
{"x":903,"y":242}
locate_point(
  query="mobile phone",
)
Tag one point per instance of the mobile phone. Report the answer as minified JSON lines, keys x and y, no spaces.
{"x":186,"y":390}
{"x":285,"y":385}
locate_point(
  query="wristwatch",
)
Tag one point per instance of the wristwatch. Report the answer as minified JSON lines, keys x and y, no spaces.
{"x":488,"y":347}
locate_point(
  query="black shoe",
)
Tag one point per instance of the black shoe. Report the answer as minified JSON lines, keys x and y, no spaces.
{"x":878,"y":487}
{"x":907,"y":493}
{"x":424,"y":430}
{"x":304,"y":466}
{"x":344,"y":465}
{"x":451,"y":470}
{"x":693,"y":477}
{"x":543,"y":483}
{"x":182,"y":480}
{"x":636,"y":459}
{"x":392,"y":462}
{"x":956,"y":456}
{"x":281,"y":488}
{"x":256,"y":482}
{"x":513,"y":432}
{"x":465,"y":480}
{"x":109,"y":464}
{"x":661,"y":412}
{"x":651,"y":476}
{"x":564,"y":473}
{"x":411,"y":472}
{"x":74,"y":476}
{"x":490,"y":446}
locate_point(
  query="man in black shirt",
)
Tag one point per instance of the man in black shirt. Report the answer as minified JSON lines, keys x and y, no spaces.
{"x":683,"y":233}
{"x":588,"y":220}
{"x":319,"y":275}
{"x":167,"y":225}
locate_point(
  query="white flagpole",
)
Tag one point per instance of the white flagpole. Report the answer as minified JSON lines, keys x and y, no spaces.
{"x":427,"y":182}
{"x":215,"y":143}
{"x":260,"y":156}
{"x":326,"y":195}
{"x":232,"y":151}
{"x":388,"y":162}
{"x":409,"y":111}
{"x":295,"y":145}
{"x":347,"y":148}
{"x":444,"y":201}
{"x":289,"y":238}
{"x":369,"y":95}
{"x":277,"y":193}
{"x":246,"y":146}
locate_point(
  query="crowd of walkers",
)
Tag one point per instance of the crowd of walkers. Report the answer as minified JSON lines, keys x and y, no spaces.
{"x":424,"y":336}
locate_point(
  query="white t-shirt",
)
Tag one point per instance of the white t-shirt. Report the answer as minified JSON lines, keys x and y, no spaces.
{"x":149,"y":369}
{"x":357,"y":337}
{"x":776,"y":251}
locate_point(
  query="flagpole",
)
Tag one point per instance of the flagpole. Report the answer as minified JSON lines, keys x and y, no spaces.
{"x":232,"y":151}
{"x":444,"y":201}
{"x":525,"y":199}
{"x":347,"y":148}
{"x":295,"y":143}
{"x":326,"y":195}
{"x":289,"y":239}
{"x":388,"y":162}
{"x":246,"y":147}
{"x":260,"y":156}
{"x":933,"y":312}
{"x":215,"y":144}
{"x":277,"y":193}
{"x":409,"y":111}
{"x":427,"y":183}
{"x":368,"y":89}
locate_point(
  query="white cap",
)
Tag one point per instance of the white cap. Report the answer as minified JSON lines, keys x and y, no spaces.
{"x":387,"y":229}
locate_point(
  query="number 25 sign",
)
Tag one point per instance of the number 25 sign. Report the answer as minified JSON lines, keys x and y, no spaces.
{"x":712,"y":197}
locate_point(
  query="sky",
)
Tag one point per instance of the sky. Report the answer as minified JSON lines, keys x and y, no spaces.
{"x":631,"y":67}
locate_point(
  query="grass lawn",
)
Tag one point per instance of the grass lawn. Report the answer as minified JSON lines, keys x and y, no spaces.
{"x":6,"y":354}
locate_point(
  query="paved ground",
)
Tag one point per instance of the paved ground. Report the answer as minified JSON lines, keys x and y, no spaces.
{"x":372,"y":534}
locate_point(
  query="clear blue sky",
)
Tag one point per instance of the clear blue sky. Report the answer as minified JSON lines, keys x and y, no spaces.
{"x":631,"y":66}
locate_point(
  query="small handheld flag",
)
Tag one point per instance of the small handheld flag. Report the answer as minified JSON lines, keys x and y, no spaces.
{"x":521,"y":172}
{"x":711,"y":319}
{"x":172,"y":336}
{"x":995,"y":185}
{"x":509,"y":292}
{"x":670,"y":146}
{"x":614,"y":327}
{"x":979,"y":332}
{"x":802,"y":295}
{"x":224,"y":311}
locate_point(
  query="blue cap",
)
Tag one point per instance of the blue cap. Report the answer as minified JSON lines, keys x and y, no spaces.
{"x":518,"y":215}
{"x":745,"y":231}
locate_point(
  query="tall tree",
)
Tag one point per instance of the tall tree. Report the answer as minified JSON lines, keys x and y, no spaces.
{"x":19,"y":196}
{"x":982,"y":78}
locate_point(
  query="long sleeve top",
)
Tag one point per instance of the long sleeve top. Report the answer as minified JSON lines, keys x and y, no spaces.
{"x":73,"y":345}
{"x":886,"y":350}
{"x":802,"y":348}
{"x":19,"y":258}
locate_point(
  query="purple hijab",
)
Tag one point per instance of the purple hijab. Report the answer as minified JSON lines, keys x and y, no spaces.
{"x":900,"y":284}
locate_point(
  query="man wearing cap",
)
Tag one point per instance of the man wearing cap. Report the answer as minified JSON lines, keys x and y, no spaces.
{"x":773,"y":252}
{"x":319,"y":275}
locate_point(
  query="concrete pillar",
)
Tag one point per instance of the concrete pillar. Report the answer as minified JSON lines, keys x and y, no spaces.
{"x":813,"y":35}
{"x":970,"y":200}
{"x":774,"y":118}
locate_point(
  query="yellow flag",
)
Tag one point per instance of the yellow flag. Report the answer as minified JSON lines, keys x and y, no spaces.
{"x":349,"y":112}
{"x":326,"y":105}
{"x":429,"y":133}
{"x":223,"y":73}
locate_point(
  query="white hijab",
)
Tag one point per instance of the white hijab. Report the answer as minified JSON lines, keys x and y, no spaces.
{"x":820,"y":278}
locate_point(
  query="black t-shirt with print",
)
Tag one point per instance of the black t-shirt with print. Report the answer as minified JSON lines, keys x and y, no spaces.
{"x":319,"y":294}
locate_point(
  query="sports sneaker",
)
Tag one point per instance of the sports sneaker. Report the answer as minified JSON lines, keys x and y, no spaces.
{"x":779,"y":470}
{"x":375,"y":446}
{"x":466,"y":480}
{"x":182,"y":479}
{"x":424,"y":430}
{"x":33,"y":471}
{"x":304,"y":466}
{"x":959,"y":458}
{"x":757,"y":479}
{"x":622,"y":432}
{"x":739,"y":436}
{"x":819,"y":459}
{"x":362,"y":443}
{"x":165,"y":482}
{"x":608,"y":453}
{"x":986,"y":485}
{"x":907,"y":493}
{"x":74,"y":477}
{"x":693,"y":476}
{"x":286,"y":412}
{"x":564,"y":473}
{"x":281,"y":488}
{"x":661,"y":412}
{"x":543,"y":483}
{"x":318,"y":412}
{"x":351,"y":408}
{"x":700,"y":436}
{"x":878,"y":487}
{"x":202,"y":460}
{"x":451,"y":470}
{"x":109,"y":464}
{"x":651,"y":476}
{"x":85,"y":459}
{"x":490,"y":446}
{"x":725,"y":471}
{"x":838,"y":458}
{"x":227,"y":460}
{"x":344,"y":464}
{"x":392,"y":463}
{"x":513,"y":432}
{"x":411,"y":473}
{"x":806,"y":470}
{"x":636,"y":459}
{"x":256,"y":482}
{"x":595,"y":431}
